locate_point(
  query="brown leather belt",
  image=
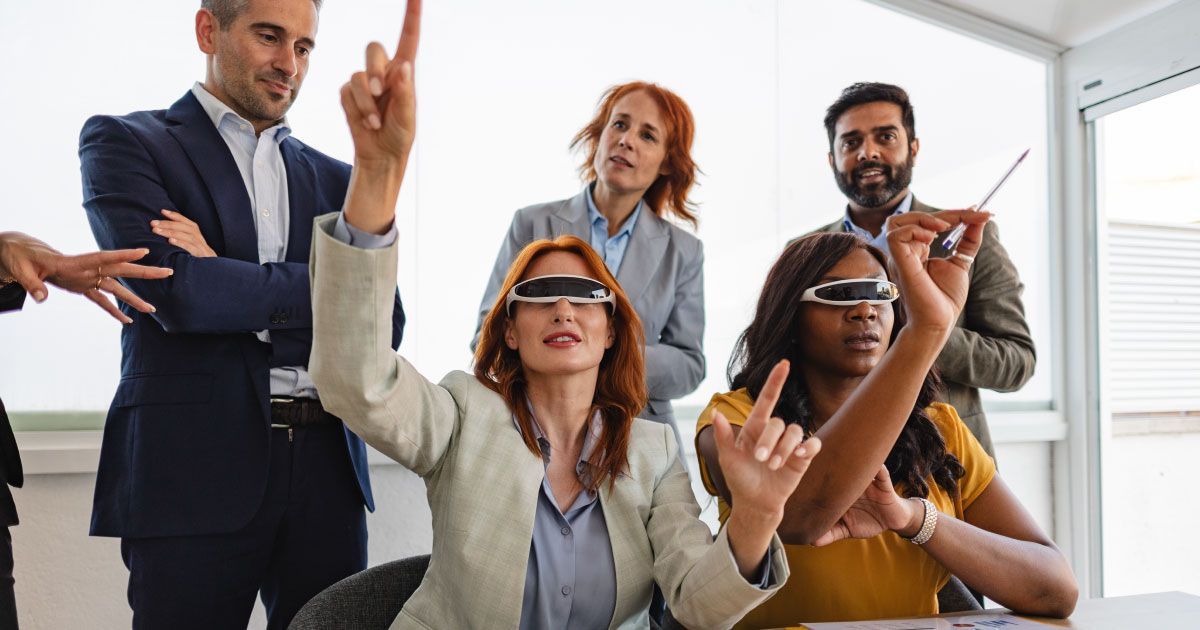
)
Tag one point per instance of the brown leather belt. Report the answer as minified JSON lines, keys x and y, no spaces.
{"x":298,"y":412}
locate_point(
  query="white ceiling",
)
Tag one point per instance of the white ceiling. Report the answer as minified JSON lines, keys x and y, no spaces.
{"x":1064,"y":22}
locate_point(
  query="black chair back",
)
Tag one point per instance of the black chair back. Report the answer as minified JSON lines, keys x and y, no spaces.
{"x":367,"y":600}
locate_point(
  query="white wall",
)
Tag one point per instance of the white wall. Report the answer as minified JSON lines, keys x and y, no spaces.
{"x":1149,"y":512}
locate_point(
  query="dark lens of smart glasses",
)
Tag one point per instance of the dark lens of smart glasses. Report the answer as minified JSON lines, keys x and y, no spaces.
{"x":557,"y":286}
{"x":858,"y":291}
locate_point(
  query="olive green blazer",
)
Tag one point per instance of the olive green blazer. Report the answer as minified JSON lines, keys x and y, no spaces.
{"x":991,"y":347}
{"x":483,"y":483}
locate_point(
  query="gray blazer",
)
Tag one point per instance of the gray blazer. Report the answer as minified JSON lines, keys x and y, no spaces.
{"x":991,"y":346}
{"x":662,"y":273}
{"x":483,"y":483}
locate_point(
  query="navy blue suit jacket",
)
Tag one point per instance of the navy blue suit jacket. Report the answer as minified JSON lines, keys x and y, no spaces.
{"x":187,"y":436}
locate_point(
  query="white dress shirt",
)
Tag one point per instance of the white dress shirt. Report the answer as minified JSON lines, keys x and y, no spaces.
{"x":260,"y":162}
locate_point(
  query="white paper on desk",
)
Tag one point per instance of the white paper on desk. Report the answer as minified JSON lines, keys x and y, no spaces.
{"x":995,"y":621}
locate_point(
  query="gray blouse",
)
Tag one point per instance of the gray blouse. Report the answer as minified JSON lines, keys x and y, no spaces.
{"x":570,"y":580}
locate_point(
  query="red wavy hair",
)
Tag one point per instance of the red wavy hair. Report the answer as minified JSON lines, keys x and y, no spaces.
{"x":668,"y":193}
{"x":621,"y":385}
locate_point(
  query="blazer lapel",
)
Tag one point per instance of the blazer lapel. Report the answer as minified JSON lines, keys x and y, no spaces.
{"x":510,"y":509}
{"x":301,"y":197}
{"x":572,"y":217}
{"x":206,"y":149}
{"x":630,"y":547}
{"x":644,"y":254}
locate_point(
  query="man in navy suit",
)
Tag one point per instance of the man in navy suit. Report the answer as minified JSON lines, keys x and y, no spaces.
{"x":219,"y":470}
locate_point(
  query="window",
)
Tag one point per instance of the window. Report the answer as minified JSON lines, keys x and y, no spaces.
{"x":1148,"y":181}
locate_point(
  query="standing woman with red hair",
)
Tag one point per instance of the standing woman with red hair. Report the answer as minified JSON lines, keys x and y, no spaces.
{"x":638,"y":170}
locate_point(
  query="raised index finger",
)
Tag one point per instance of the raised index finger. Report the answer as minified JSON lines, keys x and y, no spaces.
{"x":410,"y":35}
{"x":764,"y":405}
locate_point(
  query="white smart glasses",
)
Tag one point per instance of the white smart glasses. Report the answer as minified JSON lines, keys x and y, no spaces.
{"x":548,"y":289}
{"x":854,"y":291}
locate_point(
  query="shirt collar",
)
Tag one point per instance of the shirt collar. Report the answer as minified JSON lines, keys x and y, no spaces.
{"x":218,"y":111}
{"x":590,"y":441}
{"x":594,"y":216}
{"x":850,"y":226}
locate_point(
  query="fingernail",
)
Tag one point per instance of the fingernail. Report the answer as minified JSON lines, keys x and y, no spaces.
{"x":801,"y":451}
{"x":152,"y":309}
{"x":376,"y":86}
{"x":39,"y":296}
{"x":775,"y":462}
{"x":154,"y":223}
{"x":761,"y":454}
{"x":373,"y":121}
{"x":406,"y":70}
{"x":170,"y":272}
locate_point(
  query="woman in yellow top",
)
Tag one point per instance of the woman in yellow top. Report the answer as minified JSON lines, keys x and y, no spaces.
{"x":829,"y":308}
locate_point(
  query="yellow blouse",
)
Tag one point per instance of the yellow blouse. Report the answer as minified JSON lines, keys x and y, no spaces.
{"x":881,"y":577}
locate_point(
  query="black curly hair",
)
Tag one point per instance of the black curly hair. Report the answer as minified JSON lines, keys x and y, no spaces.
{"x":920,"y":451}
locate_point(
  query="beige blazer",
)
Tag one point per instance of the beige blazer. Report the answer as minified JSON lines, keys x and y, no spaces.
{"x":483,"y":483}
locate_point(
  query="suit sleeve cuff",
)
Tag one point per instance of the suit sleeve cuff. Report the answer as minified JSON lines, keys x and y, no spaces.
{"x":762,"y":575}
{"x":355,"y":237}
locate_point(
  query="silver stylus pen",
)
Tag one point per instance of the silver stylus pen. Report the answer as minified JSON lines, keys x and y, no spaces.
{"x":950,"y":243}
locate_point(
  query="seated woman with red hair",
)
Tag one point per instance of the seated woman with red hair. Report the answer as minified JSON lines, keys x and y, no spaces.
{"x":553,"y":505}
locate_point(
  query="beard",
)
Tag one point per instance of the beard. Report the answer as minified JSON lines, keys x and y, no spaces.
{"x":895,"y":181}
{"x":249,"y":100}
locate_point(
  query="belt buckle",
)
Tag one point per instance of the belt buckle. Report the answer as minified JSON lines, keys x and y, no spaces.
{"x":281,"y":400}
